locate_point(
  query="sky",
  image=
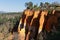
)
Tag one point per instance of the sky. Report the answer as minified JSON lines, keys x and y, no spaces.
{"x":19,"y":5}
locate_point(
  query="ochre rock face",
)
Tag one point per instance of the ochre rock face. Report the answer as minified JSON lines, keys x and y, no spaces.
{"x":41,"y":20}
{"x":35,"y":14}
{"x":21,"y":35}
{"x":51,"y":20}
{"x":28,"y":13}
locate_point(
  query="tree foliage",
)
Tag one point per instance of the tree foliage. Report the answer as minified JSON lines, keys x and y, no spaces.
{"x":29,"y":5}
{"x":46,"y":5}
